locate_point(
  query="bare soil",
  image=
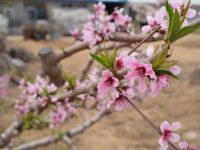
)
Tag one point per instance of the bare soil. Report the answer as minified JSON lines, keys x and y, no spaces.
{"x":127,"y":130}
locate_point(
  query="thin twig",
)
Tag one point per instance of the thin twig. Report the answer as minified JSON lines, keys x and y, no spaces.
{"x":86,"y":69}
{"x":149,"y":121}
{"x":144,"y":40}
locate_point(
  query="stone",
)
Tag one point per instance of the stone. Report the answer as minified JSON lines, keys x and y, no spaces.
{"x":21,"y":53}
{"x":19,"y":64}
{"x":195,"y":77}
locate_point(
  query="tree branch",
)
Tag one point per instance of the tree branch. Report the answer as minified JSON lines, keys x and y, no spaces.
{"x":71,"y":133}
{"x":9,"y":132}
{"x":149,"y":121}
{"x":144,"y":40}
{"x":86,"y":69}
{"x":67,"y":140}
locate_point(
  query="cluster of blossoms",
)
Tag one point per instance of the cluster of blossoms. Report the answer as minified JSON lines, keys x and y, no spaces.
{"x":169,"y":135}
{"x":160,"y":17}
{"x":4,"y":86}
{"x":38,"y":93}
{"x":140,"y":77}
{"x":129,"y":75}
{"x":41,"y":94}
{"x":124,"y":74}
{"x":101,"y":26}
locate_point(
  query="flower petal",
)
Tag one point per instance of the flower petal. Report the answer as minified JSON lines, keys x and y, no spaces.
{"x":191,"y":13}
{"x":174,"y":137}
{"x":164,"y":125}
{"x":107,"y":74}
{"x":175,"y":70}
{"x":183,"y":145}
{"x":150,"y":20}
{"x":146,"y":29}
{"x":163,"y":144}
{"x":175,"y":126}
{"x":142,"y":83}
{"x":150,"y":51}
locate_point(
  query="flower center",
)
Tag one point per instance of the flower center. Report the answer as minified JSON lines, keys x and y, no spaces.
{"x":119,"y":64}
{"x":141,"y":70}
{"x":120,"y":99}
{"x":167,"y":134}
{"x":109,"y":81}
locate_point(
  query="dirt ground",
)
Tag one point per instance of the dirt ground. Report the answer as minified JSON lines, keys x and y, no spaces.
{"x":127,"y":130}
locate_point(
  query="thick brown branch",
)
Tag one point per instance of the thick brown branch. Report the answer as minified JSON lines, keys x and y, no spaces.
{"x":118,"y":37}
{"x":77,"y":47}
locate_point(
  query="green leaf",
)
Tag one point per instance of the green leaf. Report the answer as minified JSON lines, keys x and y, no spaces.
{"x":167,"y":73}
{"x":100,"y":59}
{"x":106,"y":58}
{"x":185,"y":11}
{"x":161,"y":56}
{"x":70,"y":78}
{"x":176,"y":25}
{"x":185,"y":31}
{"x":170,"y":17}
{"x":59,"y":134}
{"x":166,"y":64}
{"x":113,"y":58}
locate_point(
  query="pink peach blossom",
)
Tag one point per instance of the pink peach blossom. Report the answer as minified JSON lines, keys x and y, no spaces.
{"x":21,"y":108}
{"x":100,"y":8}
{"x":168,"y":134}
{"x":52,"y":88}
{"x":139,"y":71}
{"x":155,"y":21}
{"x":179,"y":4}
{"x":42,"y":101}
{"x":119,"y":103}
{"x":75,"y":33}
{"x":176,"y":70}
{"x":120,"y":19}
{"x":90,"y":35}
{"x":186,"y":146}
{"x":57,"y":117}
{"x":94,"y":75}
{"x":120,"y":61}
{"x":158,"y":84}
{"x":107,"y":84}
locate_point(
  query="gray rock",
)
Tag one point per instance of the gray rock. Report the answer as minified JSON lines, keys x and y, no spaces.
{"x":195,"y":77}
{"x":19,"y":64}
{"x":22,"y":54}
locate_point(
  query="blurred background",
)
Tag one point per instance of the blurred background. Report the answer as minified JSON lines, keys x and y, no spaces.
{"x":26,"y":26}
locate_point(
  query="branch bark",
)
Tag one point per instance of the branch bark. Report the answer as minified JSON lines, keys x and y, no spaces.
{"x":69,"y":134}
{"x":86,"y":69}
{"x":50,"y":67}
{"x":9,"y":133}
